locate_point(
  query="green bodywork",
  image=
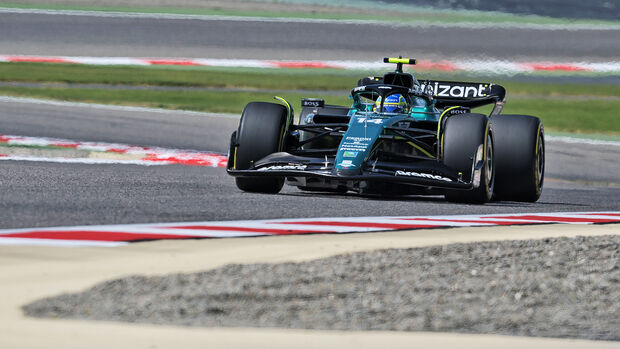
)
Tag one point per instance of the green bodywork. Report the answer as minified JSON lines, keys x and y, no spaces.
{"x":357,"y":143}
{"x":365,"y":128}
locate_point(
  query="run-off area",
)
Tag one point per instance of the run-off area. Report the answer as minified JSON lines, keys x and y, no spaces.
{"x":42,"y":149}
{"x":555,"y":287}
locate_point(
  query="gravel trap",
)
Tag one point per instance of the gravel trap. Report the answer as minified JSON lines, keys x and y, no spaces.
{"x":564,"y":287}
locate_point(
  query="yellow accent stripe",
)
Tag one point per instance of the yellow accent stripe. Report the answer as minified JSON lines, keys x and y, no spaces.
{"x":235,"y":159}
{"x":286,"y":104}
{"x":440,"y":152}
{"x":288,"y":120}
{"x":401,"y":60}
{"x":538,"y":137}
{"x":537,"y":143}
{"x":420,"y":149}
{"x":441,"y":147}
{"x":486,"y":137}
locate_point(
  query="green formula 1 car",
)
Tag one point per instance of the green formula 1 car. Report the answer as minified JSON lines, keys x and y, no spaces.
{"x":400,"y":136}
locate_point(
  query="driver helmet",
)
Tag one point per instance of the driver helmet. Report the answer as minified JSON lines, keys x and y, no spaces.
{"x":395,"y":103}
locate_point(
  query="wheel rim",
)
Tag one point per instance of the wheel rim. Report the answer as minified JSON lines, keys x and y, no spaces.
{"x":489,"y":173}
{"x":540,"y":161}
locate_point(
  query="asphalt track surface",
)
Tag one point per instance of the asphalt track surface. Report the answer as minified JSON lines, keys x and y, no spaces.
{"x":595,"y":9}
{"x":40,"y":34}
{"x":580,"y":177}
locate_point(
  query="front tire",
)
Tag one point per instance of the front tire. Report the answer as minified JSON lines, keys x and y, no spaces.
{"x":260,"y":133}
{"x":520,"y":150}
{"x":462,"y":136}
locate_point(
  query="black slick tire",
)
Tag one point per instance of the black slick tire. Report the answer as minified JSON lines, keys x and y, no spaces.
{"x":260,"y":133}
{"x":520,"y":157}
{"x":462,"y":136}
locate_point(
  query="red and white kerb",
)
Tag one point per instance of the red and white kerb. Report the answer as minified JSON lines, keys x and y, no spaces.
{"x":116,"y":235}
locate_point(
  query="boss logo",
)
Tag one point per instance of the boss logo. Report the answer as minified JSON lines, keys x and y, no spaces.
{"x":459,"y":111}
{"x":312,"y":103}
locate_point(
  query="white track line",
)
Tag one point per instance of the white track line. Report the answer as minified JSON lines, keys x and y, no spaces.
{"x":87,"y":161}
{"x":565,"y":139}
{"x":62,"y":243}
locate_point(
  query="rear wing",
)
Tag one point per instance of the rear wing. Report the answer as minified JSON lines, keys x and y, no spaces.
{"x":466,"y":94}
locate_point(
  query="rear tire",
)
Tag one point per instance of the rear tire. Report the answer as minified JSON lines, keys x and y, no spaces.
{"x":462,"y":136}
{"x":520,"y":157}
{"x":261,"y":132}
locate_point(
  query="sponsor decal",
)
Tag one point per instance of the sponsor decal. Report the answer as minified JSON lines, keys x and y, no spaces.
{"x":312,"y":102}
{"x":457,"y":111}
{"x":358,"y":139}
{"x":353,"y":147}
{"x":369,"y":120}
{"x":349,"y":154}
{"x":346,"y":163}
{"x":458,"y":90}
{"x":355,"y":144}
{"x":421,"y":175}
{"x":385,"y":87}
{"x":283,"y":168}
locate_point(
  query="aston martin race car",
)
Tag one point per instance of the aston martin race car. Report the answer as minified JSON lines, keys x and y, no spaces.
{"x":400,"y":136}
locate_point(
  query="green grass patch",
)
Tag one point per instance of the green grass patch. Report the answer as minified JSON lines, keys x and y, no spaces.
{"x":275,"y":79}
{"x":570,"y":116}
{"x":557,"y":115}
{"x":29,"y":146}
{"x":563,"y":107}
{"x":307,"y":79}
{"x":217,"y":102}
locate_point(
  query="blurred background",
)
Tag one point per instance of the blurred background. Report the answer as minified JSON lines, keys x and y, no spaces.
{"x":558,"y":59}
{"x":196,"y":63}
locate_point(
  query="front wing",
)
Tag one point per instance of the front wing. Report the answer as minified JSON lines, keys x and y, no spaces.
{"x":426,"y":173}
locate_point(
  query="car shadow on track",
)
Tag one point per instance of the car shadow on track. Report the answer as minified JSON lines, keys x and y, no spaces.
{"x":435,"y":199}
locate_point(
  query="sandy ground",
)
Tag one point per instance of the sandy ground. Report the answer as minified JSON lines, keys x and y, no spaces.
{"x":29,"y":273}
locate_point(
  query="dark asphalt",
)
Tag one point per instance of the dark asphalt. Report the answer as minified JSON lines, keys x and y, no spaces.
{"x":591,"y":9}
{"x":117,"y":125}
{"x":49,"y":194}
{"x":40,"y":34}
